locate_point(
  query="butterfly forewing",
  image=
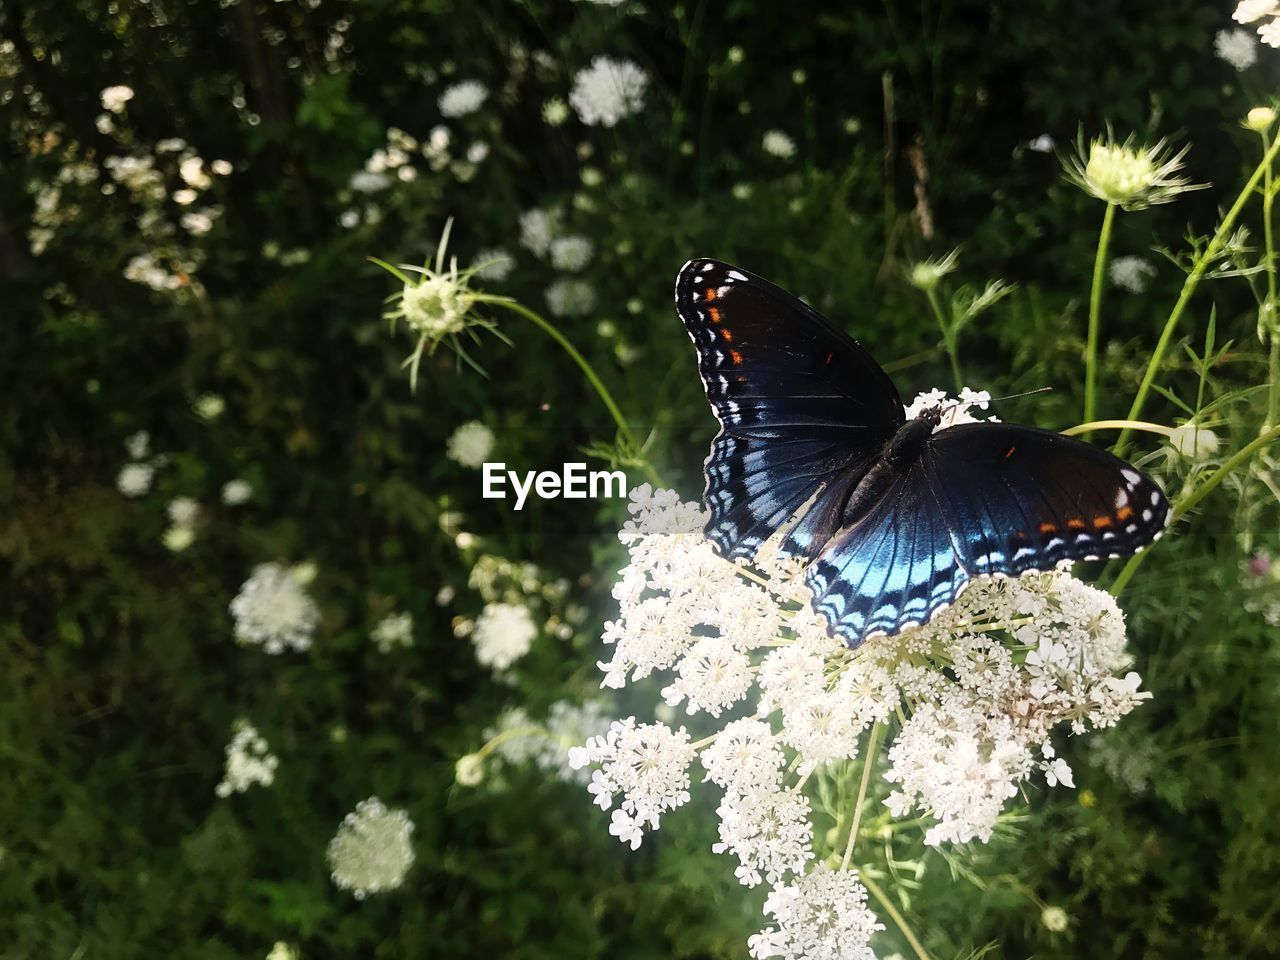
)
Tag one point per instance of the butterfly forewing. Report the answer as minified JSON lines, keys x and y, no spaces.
{"x":803,"y":409}
{"x":1017,"y":498}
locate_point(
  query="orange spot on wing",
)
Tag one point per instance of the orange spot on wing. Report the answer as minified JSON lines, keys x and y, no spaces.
{"x":728,"y":336}
{"x":710,"y":294}
{"x":1009,"y":453}
{"x":714,"y":314}
{"x":1047,"y":527}
{"x":1075,"y":523}
{"x":827,"y":360}
{"x":1124,"y":513}
{"x":735,"y":356}
{"x":1101,"y":523}
{"x":1019,"y":534}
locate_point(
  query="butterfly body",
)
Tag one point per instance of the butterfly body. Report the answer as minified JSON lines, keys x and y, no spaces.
{"x":896,"y":516}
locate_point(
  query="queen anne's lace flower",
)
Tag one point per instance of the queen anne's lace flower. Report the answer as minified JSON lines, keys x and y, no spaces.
{"x":1131,"y":273}
{"x":462,"y":98}
{"x":393,"y":630}
{"x":607,"y":91}
{"x":134,"y":479}
{"x":249,"y":762}
{"x":470,"y":445}
{"x":821,"y":916}
{"x":372,"y":850}
{"x":1237,"y":48}
{"x":971,"y":700}
{"x":778,"y":144}
{"x":503,"y":634}
{"x":274,"y":611}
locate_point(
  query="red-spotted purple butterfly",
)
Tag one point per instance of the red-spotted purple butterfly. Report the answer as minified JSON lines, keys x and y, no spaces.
{"x":900,"y":518}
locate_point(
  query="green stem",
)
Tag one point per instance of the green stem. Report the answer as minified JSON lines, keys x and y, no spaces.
{"x":1117,"y":425}
{"x":1189,"y":286}
{"x":1095,"y":315}
{"x":868,"y":761}
{"x":1189,"y":502}
{"x":1269,"y":308}
{"x":948,"y":335}
{"x":597,"y":384}
{"x":900,"y":921}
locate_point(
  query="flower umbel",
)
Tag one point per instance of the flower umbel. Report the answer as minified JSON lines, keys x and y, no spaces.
{"x":371,"y":851}
{"x":436,"y":303}
{"x":1132,"y":176}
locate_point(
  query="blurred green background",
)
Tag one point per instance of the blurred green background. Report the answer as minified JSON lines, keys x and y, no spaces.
{"x":915,"y":130}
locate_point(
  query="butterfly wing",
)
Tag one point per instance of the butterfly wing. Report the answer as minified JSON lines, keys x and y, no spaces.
{"x":802,"y":408}
{"x":985,"y":499}
{"x":894,"y":568}
{"x":1017,"y":498}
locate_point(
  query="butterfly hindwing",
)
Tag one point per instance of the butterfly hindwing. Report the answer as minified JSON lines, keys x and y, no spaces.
{"x":893,"y":568}
{"x":802,"y":408}
{"x":1017,"y":498}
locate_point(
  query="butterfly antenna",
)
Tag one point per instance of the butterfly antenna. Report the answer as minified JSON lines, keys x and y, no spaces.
{"x":1028,"y":393}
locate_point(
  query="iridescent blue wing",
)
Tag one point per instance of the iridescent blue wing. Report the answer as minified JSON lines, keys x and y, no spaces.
{"x":802,"y":409}
{"x":892,"y":569}
{"x":1018,"y":499}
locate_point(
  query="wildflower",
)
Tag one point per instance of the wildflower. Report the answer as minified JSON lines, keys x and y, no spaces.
{"x":822,"y":915}
{"x":249,"y":762}
{"x":517,"y":739}
{"x":607,"y":91}
{"x":192,"y":172}
{"x":364,"y":181}
{"x":471,"y":444}
{"x":570,"y":297}
{"x":372,"y":850}
{"x":435,"y":304}
{"x":778,"y":144}
{"x":273,"y":610}
{"x":137,"y":445}
{"x":1193,"y":441}
{"x":926,"y":274}
{"x":570,"y":253}
{"x":1132,"y":177}
{"x":177,"y":538}
{"x":236,"y":492}
{"x":469,"y":770}
{"x":282,"y":951}
{"x":495,"y":264}
{"x":970,"y":699}
{"x":393,"y":630}
{"x":184,"y":511}
{"x":1131,"y":273}
{"x":555,"y":112}
{"x":1247,"y":11}
{"x":462,"y":99}
{"x":209,"y":406}
{"x":134,"y":479}
{"x":115,"y":98}
{"x":222,"y":168}
{"x":1260,"y":119}
{"x":1054,"y":919}
{"x":538,"y":228}
{"x":1041,"y":144}
{"x":503,"y":634}
{"x":1236,"y":47}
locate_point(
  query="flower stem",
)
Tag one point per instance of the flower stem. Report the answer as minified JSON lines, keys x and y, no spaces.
{"x":907,"y":933}
{"x":597,"y":384}
{"x":1269,"y":308}
{"x":1095,"y":315}
{"x":1198,"y":269}
{"x":948,"y":335}
{"x":1192,"y":499}
{"x":1117,"y":425}
{"x":868,"y":761}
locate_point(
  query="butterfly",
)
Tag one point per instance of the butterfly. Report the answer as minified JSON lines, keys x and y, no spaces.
{"x":894,"y":517}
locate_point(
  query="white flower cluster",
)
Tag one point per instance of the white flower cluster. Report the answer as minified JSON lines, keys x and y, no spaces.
{"x":134,"y":479}
{"x":517,"y":739}
{"x":274,"y":611}
{"x":184,"y":514}
{"x":249,"y":762}
{"x":972,"y":697}
{"x":503,"y":634}
{"x":393,"y":630}
{"x":607,"y":91}
{"x":1236,"y":47}
{"x":372,"y":850}
{"x":1251,"y":11}
{"x":470,"y":444}
{"x":1131,"y":273}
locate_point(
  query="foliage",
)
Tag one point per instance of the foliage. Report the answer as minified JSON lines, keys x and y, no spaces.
{"x":122,"y":681}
